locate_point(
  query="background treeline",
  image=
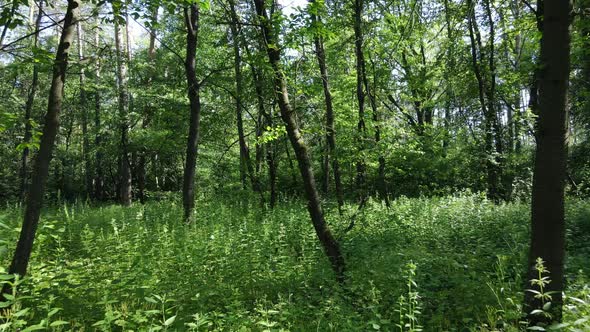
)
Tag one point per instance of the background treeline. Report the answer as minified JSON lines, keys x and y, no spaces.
{"x":449,"y":91}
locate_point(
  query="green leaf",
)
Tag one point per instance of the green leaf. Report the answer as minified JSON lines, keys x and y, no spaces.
{"x":34,"y":328}
{"x":169,"y":321}
{"x":22,"y":312}
{"x":58,"y":323}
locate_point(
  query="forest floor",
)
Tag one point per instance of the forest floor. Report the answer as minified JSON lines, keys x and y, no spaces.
{"x":451,"y":264}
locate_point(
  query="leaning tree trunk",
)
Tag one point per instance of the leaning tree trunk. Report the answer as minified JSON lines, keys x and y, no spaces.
{"x":191,"y":20}
{"x":547,"y":222}
{"x":330,"y":133}
{"x":28,"y":110}
{"x":34,"y":200}
{"x":123,"y":99}
{"x":331,"y":246}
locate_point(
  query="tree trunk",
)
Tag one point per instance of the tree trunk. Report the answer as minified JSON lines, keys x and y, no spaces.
{"x":99,"y":175}
{"x":381,"y":184}
{"x":547,"y":222}
{"x":492,"y":116}
{"x":476,"y":59}
{"x":244,"y":150}
{"x":330,"y":132}
{"x":85,"y":138}
{"x":191,"y":20}
{"x":123,"y":99}
{"x":360,"y":95}
{"x":326,"y":238}
{"x":147,"y":116}
{"x":24,"y":174}
{"x":34,"y":199}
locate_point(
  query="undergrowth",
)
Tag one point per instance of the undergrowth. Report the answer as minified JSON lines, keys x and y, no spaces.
{"x":432,"y":264}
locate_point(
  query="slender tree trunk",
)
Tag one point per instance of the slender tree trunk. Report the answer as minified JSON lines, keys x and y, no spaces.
{"x":271,"y":146}
{"x":498,"y":150}
{"x":244,"y":150}
{"x":191,"y":20}
{"x":360,"y":95}
{"x":330,"y":132}
{"x":99,"y":175}
{"x":381,"y":184}
{"x":547,"y":222}
{"x":326,"y":238}
{"x":123,"y":99}
{"x":147,"y":116}
{"x":24,"y":174}
{"x":34,"y":200}
{"x":450,"y":98}
{"x":476,"y":58}
{"x":7,"y":24}
{"x":83,"y":106}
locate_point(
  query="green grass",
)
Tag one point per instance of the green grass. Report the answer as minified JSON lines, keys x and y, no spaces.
{"x":240,"y":268}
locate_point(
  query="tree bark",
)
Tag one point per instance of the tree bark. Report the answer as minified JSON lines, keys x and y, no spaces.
{"x":34,"y":200}
{"x":123,"y":100}
{"x":330,"y":132}
{"x":324,"y":234}
{"x":191,"y":20}
{"x":24,"y":174}
{"x":547,"y":222}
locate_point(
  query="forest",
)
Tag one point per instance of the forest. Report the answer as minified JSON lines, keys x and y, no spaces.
{"x":295,"y":165}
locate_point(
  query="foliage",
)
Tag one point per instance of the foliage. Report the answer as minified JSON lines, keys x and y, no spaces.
{"x":240,"y":268}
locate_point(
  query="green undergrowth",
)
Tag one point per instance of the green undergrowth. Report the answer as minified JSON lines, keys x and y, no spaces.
{"x":432,"y":264}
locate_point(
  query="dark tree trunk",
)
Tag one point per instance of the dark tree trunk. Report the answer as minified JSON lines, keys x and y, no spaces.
{"x":547,"y":222}
{"x":191,"y":20}
{"x":24,"y":173}
{"x":34,"y":199}
{"x":326,"y":238}
{"x":124,"y":171}
{"x":492,"y":116}
{"x":330,"y":133}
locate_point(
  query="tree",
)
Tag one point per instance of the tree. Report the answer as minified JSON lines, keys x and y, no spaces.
{"x":28,"y":110}
{"x":34,"y":200}
{"x":244,"y":150}
{"x":191,"y":21}
{"x":271,"y":42}
{"x":547,"y":220}
{"x":125,"y":196}
{"x":318,"y":39}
